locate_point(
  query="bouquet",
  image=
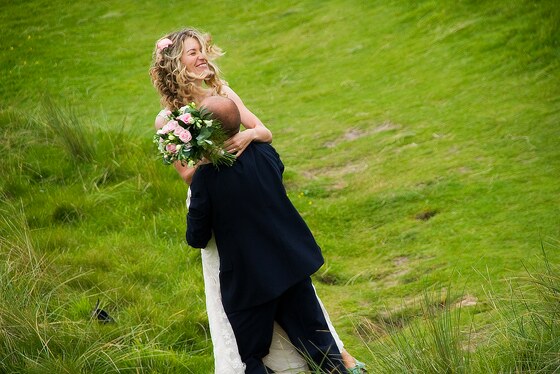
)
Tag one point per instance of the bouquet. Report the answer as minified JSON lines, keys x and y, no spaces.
{"x":191,"y":135}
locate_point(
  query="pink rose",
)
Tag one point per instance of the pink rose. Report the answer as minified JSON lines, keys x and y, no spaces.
{"x":185,"y":118}
{"x":169,"y":126}
{"x":171,"y":148}
{"x":178,"y":131}
{"x":164,"y":43}
{"x":185,"y":136}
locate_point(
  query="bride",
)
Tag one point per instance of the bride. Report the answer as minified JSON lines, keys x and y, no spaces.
{"x":183,"y":71}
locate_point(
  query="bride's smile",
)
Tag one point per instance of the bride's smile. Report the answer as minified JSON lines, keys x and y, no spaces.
{"x":193,"y":58}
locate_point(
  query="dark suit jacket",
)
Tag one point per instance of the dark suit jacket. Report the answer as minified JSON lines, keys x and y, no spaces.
{"x":265,"y":246}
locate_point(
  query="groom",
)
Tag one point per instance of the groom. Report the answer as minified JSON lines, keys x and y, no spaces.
{"x":267,"y":253}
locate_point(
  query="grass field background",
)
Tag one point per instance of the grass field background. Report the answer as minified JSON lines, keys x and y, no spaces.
{"x":421,"y":146}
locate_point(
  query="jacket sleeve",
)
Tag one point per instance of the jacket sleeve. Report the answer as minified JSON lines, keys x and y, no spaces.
{"x":199,"y":216}
{"x":273,"y":158}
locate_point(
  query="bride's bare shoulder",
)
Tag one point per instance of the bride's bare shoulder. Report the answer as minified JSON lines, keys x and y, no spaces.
{"x":230,"y":94}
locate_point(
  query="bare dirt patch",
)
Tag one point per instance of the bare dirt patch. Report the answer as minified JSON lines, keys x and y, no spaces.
{"x":336,"y":173}
{"x":467,"y":300}
{"x":353,"y":134}
{"x":401,"y":264}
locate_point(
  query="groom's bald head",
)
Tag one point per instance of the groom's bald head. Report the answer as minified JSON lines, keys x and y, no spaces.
{"x":225,"y":111}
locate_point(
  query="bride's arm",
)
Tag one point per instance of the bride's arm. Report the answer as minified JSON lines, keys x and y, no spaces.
{"x":255,"y":130}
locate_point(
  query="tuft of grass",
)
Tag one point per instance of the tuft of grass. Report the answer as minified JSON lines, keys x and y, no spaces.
{"x":430,"y":341}
{"x":527,"y":337}
{"x":47,"y":328}
{"x":69,"y":130}
{"x":434,"y":338}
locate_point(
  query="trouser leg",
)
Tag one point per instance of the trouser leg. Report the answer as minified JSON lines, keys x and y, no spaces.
{"x":300,"y":315}
{"x":253,"y":329}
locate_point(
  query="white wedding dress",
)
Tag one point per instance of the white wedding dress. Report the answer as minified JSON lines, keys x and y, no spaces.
{"x":282,"y":357}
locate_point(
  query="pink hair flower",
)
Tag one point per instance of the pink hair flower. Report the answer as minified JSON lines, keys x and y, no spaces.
{"x":163,"y":43}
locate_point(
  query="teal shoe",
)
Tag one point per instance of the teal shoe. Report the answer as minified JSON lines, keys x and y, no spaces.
{"x":360,"y":368}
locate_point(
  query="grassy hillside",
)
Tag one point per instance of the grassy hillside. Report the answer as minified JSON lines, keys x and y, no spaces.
{"x":421,"y":146}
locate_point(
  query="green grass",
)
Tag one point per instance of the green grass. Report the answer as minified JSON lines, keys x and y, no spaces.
{"x":421,"y":146}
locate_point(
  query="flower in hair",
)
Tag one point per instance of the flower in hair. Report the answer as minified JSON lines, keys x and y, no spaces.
{"x":164,"y":43}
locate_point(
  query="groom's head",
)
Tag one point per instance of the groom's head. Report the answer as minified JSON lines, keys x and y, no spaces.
{"x":225,"y":111}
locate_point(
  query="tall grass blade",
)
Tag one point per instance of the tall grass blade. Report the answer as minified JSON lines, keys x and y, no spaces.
{"x":71,"y":133}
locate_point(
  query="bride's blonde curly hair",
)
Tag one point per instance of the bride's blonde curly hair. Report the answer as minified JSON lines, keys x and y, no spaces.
{"x":170,"y":77}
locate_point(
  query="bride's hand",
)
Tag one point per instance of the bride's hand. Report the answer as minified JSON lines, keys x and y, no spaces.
{"x":237,"y":143}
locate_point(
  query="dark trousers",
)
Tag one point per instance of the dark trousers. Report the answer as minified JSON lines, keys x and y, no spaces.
{"x":298,"y":312}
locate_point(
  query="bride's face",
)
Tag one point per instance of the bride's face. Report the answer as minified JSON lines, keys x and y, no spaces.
{"x":193,"y":58}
